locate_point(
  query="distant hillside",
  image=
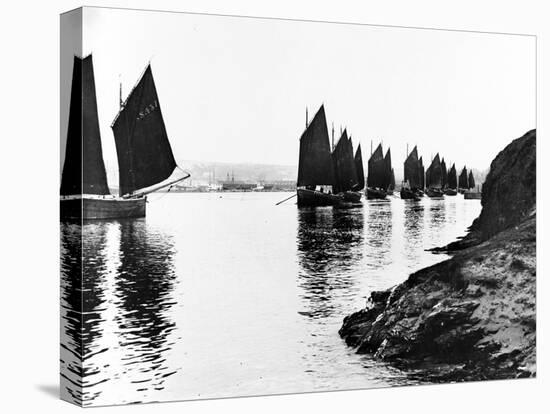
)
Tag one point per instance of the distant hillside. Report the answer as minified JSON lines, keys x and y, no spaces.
{"x":204,"y":172}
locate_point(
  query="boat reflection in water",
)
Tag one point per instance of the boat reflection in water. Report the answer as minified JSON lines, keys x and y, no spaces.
{"x":126,"y":296}
{"x":330,"y":243}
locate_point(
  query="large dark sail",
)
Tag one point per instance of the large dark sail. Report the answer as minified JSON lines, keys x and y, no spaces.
{"x":83,"y":170}
{"x":387,"y":169}
{"x":144,"y":154}
{"x":463,"y":179}
{"x":443,"y":173}
{"x":315,"y":163}
{"x":344,"y":165}
{"x":451,"y":178}
{"x":359,"y":168}
{"x":434,"y":174}
{"x":392,"y":181}
{"x":376,"y":169}
{"x":412,"y":170}
{"x":422,"y":174}
{"x":471,"y":180}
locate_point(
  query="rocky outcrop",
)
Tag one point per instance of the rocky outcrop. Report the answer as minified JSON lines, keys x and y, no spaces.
{"x":509,"y":193}
{"x":471,"y":316}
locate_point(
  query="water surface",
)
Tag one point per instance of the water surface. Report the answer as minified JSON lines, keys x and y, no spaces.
{"x":226,"y":294}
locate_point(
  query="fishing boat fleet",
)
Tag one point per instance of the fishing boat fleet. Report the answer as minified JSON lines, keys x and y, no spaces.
{"x":329,"y":173}
{"x":333,"y":175}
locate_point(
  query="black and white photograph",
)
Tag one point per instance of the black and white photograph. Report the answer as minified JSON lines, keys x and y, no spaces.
{"x":258,"y":206}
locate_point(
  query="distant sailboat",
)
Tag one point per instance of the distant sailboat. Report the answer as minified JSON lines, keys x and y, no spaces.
{"x":359,"y":168}
{"x":345,"y":171}
{"x":388,"y":171}
{"x":315,"y":166}
{"x":471,"y":180}
{"x":145,"y":158}
{"x":463,"y":180}
{"x":434,"y":178}
{"x":376,"y":175}
{"x":451,"y":189}
{"x":413,"y":176}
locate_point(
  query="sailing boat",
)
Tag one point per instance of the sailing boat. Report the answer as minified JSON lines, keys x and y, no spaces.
{"x":434,"y":178}
{"x":451,"y":182}
{"x":471,"y":180}
{"x":358,"y":159}
{"x":346,"y":180}
{"x":463,"y":180}
{"x":315,"y":166}
{"x":413,"y":176}
{"x":388,"y":170}
{"x":376,"y":177}
{"x":472,"y":193}
{"x":145,"y":158}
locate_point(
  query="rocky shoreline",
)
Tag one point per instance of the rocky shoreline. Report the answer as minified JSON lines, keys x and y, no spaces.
{"x":472,"y":316}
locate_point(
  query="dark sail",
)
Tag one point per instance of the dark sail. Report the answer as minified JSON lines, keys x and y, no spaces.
{"x":359,"y":168}
{"x":387,"y":169}
{"x":344,"y":165}
{"x":451,"y":178}
{"x":463,"y":179}
{"x":392,"y":181}
{"x":471,"y":181}
{"x":434,"y":174}
{"x":422,"y":174}
{"x":412,"y":170}
{"x":83,"y":170}
{"x":144,"y":154}
{"x":376,"y":169}
{"x":315,"y":162}
{"x":443,"y":173}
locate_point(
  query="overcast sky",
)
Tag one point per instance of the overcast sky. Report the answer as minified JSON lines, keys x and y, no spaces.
{"x":235,"y":89}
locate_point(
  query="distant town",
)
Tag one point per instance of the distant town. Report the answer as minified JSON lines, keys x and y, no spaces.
{"x":239,"y":177}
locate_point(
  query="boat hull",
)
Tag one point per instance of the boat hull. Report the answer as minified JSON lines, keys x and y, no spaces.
{"x":407,"y":194}
{"x":375,"y":194}
{"x":88,"y":208}
{"x":450,"y":192}
{"x":434,"y":193}
{"x":312,"y":198}
{"x":352,"y":196}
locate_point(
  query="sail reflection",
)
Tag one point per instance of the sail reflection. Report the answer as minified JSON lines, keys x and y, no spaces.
{"x":330,"y":243}
{"x":144,"y":290}
{"x":81,"y":307}
{"x":413,"y":228}
{"x":115,"y":310}
{"x":379,"y":233}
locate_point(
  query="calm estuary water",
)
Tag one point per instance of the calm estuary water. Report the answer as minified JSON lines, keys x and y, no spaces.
{"x":226,"y":294}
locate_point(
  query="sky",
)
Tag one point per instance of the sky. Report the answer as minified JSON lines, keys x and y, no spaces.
{"x":235,"y":89}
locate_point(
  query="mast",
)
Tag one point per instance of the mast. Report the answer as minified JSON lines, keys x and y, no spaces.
{"x":332,"y":146}
{"x":120,"y":103}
